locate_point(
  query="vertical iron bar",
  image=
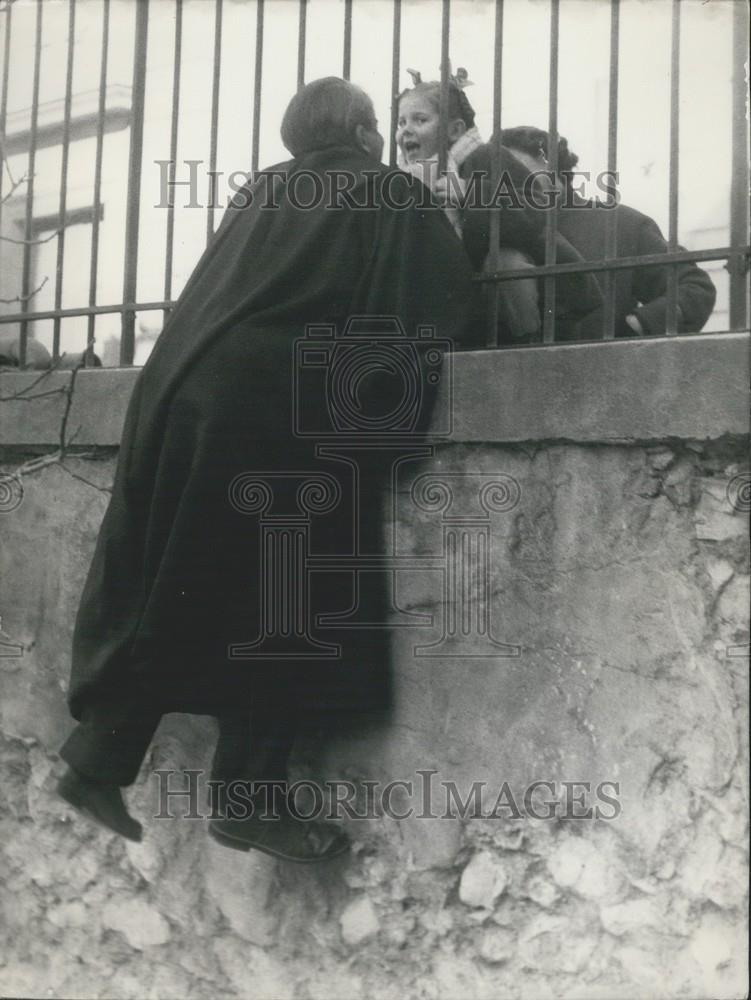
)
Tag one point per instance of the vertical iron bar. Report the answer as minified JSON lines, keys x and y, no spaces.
{"x":214,"y":128}
{"x":177,"y":60}
{"x":94,"y":263}
{"x":548,"y":324}
{"x":443,"y":122}
{"x":671,"y":327}
{"x":396,"y":41}
{"x":739,"y":206}
{"x":301,"y":28}
{"x":62,"y":205}
{"x":495,"y":172}
{"x":347,"y":57}
{"x":4,"y":99}
{"x":257,"y":83}
{"x":26,"y":278}
{"x":611,"y":231}
{"x":127,"y":342}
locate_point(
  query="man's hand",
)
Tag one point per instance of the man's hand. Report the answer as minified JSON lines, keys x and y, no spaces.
{"x":633,"y":323}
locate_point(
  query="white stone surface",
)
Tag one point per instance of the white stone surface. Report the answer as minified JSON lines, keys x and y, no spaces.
{"x":483,"y":880}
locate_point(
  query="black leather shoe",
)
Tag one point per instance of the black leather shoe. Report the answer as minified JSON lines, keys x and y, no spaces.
{"x":287,"y":838}
{"x":99,"y":802}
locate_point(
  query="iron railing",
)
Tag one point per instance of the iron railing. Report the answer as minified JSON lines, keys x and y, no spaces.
{"x":736,"y":253}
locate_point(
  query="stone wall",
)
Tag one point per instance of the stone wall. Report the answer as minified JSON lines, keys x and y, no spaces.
{"x":619,"y":569}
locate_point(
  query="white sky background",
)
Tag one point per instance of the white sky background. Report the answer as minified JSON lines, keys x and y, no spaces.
{"x":643,"y":135}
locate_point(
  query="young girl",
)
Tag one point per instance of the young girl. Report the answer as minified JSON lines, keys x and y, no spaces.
{"x":522,"y":228}
{"x":418,"y":136}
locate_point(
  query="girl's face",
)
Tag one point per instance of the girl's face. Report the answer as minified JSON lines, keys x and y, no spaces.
{"x":417,"y":128}
{"x":418,"y":132}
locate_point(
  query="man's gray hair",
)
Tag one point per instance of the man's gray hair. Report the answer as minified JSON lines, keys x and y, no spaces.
{"x":326,"y":113}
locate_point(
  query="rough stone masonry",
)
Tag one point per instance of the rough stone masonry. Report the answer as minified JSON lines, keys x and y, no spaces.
{"x":622,"y":574}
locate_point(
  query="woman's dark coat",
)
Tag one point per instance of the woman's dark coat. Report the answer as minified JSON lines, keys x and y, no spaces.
{"x":522,"y":226}
{"x":176,"y":575}
{"x":641,"y":291}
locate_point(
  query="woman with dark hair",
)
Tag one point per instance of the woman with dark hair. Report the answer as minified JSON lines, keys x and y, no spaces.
{"x":219,"y":462}
{"x":641,"y":292}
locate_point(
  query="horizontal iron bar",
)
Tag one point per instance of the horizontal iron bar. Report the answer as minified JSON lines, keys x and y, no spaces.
{"x":621,"y":264}
{"x":716,"y":253}
{"x":87,"y":311}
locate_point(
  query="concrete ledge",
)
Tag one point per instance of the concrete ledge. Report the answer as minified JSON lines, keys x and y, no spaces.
{"x":685,"y":387}
{"x":97,"y":412}
{"x":693,"y":388}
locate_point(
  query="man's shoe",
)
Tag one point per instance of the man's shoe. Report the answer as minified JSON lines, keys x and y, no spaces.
{"x":287,"y":838}
{"x":99,"y":802}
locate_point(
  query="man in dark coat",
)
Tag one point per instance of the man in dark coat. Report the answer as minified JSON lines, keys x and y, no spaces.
{"x":641,"y":292}
{"x":221,"y":430}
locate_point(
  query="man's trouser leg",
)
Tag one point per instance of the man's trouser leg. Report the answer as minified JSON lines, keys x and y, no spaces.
{"x":253,"y":748}
{"x":110,"y":742}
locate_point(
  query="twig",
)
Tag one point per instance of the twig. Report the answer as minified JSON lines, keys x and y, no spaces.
{"x":69,"y":389}
{"x":14,"y":185}
{"x":28,"y":399}
{"x":58,"y":457}
{"x":83,"y":479}
{"x":21,"y":394}
{"x":33,"y":243}
{"x":24,"y":298}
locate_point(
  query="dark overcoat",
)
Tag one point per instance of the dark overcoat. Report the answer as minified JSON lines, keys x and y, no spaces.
{"x":641,"y":291}
{"x":221,"y":457}
{"x":521,"y":227}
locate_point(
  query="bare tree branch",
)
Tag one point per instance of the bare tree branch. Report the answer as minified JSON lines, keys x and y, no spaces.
{"x":22,"y":396}
{"x":83,"y":479}
{"x":57,"y":457}
{"x":33,"y":243}
{"x":69,"y":389}
{"x":35,"y":464}
{"x":17,"y":398}
{"x":24,"y":298}
{"x":14,"y":184}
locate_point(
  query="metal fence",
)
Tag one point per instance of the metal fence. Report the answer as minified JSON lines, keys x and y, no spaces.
{"x":736,"y":253}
